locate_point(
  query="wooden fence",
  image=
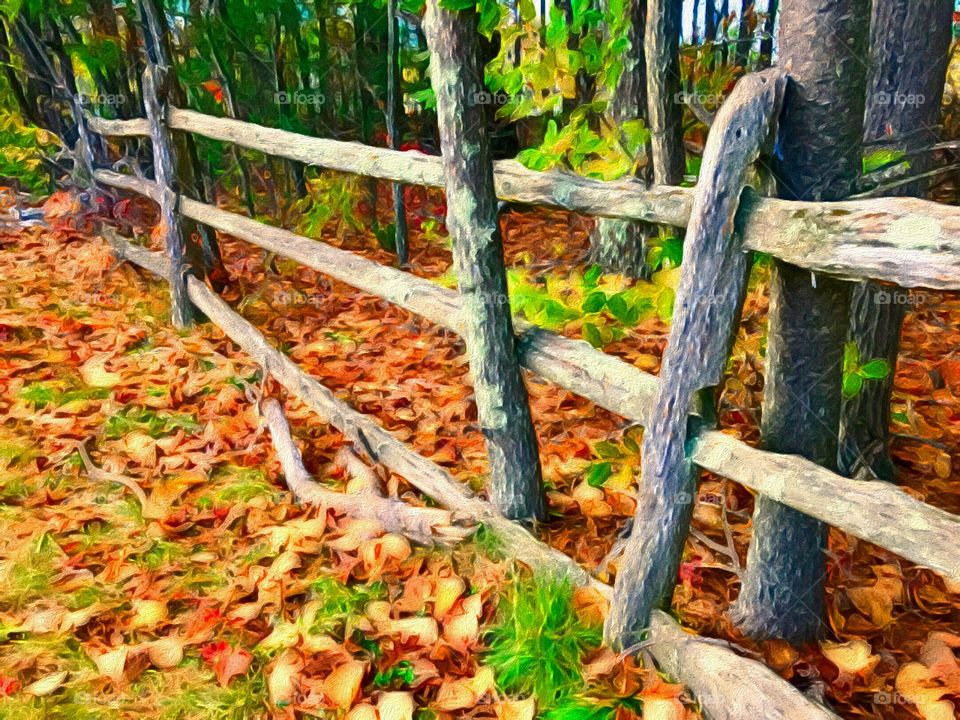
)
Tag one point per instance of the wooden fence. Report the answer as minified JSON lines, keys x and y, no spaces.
{"x":913,"y":243}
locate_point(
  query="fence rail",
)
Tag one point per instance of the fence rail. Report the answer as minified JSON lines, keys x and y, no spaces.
{"x":907,"y":241}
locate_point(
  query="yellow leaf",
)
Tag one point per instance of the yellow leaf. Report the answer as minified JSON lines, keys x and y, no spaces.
{"x":343,"y":685}
{"x":148,"y":614}
{"x":46,"y":685}
{"x":95,"y":374}
{"x":396,"y":706}
{"x":516,"y":709}
{"x":851,"y":657}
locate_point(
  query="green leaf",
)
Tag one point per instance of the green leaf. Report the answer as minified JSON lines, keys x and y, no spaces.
{"x":617,"y":305}
{"x":852,"y":385}
{"x":592,"y":275}
{"x":594,"y":302}
{"x":851,"y":358}
{"x":607,"y":450}
{"x":665,"y":304}
{"x":876,"y":369}
{"x":592,"y":335}
{"x":598,"y":473}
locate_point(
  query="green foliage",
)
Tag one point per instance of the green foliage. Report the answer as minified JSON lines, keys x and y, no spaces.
{"x":23,"y":150}
{"x":538,"y":642}
{"x":855,"y":373}
{"x":340,"y":603}
{"x":134,"y":418}
{"x":395,"y":676}
{"x":41,"y":395}
{"x":31,"y":573}
{"x":881,"y":159}
{"x":331,"y":198}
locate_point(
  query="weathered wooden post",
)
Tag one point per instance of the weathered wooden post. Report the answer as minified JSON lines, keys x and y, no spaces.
{"x":394,"y":110}
{"x":823,"y":48}
{"x":155,"y":103}
{"x":502,"y":404}
{"x":709,"y":299}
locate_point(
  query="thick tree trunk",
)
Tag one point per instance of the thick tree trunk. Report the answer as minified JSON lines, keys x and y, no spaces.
{"x":618,"y":245}
{"x":662,"y":48}
{"x":394,"y":113}
{"x":909,"y":49}
{"x":822,"y":45}
{"x":27,"y":107}
{"x":472,"y":218}
{"x":709,"y":29}
{"x":709,"y":298}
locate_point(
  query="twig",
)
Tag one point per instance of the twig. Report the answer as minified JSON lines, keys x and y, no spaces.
{"x":421,"y":524}
{"x":100,"y":475}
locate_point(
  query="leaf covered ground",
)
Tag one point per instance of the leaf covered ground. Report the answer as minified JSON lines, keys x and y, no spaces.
{"x":195,"y":587}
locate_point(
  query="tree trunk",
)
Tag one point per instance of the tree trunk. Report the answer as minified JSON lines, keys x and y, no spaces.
{"x":709,"y":29}
{"x":909,"y":49}
{"x":156,"y":42}
{"x":662,"y":48}
{"x":822,"y":43}
{"x":502,"y":404}
{"x":617,"y":245}
{"x":744,"y":38}
{"x":27,"y":108}
{"x":766,"y":42}
{"x":394,"y":113}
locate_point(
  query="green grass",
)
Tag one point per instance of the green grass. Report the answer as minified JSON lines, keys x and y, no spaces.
{"x":241,"y":484}
{"x":42,"y":394}
{"x":538,"y":642}
{"x":30,"y":573}
{"x":340,"y":602}
{"x":154,"y":424}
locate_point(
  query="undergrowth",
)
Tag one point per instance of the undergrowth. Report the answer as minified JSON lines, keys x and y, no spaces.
{"x":538,"y":642}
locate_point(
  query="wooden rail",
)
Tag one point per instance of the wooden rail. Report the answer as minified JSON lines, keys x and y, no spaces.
{"x":907,"y":241}
{"x":929,"y":535}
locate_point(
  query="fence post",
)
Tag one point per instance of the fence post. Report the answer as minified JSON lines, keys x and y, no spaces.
{"x":472,"y":219}
{"x":709,"y":299}
{"x":155,"y":103}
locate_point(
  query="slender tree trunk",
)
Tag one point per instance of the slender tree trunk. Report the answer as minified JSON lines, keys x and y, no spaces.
{"x":662,"y":48}
{"x":909,"y":49}
{"x":472,"y":218}
{"x":620,"y":245}
{"x":822,"y":46}
{"x":724,"y":28}
{"x":709,"y":30}
{"x":766,"y":42}
{"x":394,"y":113}
{"x":695,"y":24}
{"x":744,"y":38}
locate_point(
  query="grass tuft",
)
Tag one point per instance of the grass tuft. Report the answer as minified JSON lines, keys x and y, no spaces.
{"x":538,"y":642}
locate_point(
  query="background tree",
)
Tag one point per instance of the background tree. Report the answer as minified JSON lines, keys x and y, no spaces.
{"x":909,"y":49}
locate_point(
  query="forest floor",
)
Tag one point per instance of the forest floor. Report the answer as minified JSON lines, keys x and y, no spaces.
{"x":197,"y":588}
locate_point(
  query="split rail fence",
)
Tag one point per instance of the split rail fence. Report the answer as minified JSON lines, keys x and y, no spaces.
{"x":909,"y":242}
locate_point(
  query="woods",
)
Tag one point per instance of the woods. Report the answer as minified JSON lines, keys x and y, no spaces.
{"x":601,"y":282}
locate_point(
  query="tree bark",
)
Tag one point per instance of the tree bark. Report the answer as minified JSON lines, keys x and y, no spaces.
{"x":744,"y":38}
{"x":662,"y":48}
{"x":822,"y":46}
{"x":909,"y":49}
{"x":394,"y":113}
{"x":766,"y":42}
{"x":156,"y":42}
{"x":617,"y":245}
{"x":712,"y":286}
{"x":155,"y":82}
{"x":472,"y":219}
